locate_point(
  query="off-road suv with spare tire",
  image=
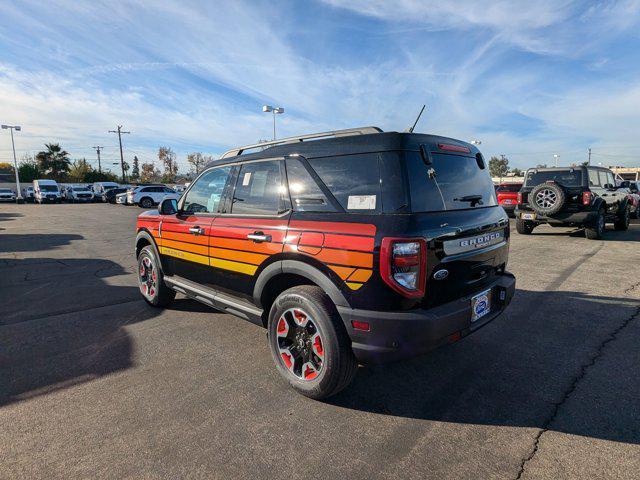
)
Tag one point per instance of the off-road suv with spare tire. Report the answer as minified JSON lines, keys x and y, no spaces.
{"x":582,"y":196}
{"x":355,"y":246}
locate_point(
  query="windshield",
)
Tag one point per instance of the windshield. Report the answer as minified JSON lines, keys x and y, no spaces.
{"x":568,"y":178}
{"x":48,"y":188}
{"x":451,"y":182}
{"x":80,"y":189}
{"x":5,"y":190}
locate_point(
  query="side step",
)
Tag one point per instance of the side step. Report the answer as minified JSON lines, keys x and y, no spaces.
{"x":215,"y":299}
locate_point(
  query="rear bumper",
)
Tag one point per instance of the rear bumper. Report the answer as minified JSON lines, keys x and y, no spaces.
{"x":399,"y":335}
{"x":573,"y":218}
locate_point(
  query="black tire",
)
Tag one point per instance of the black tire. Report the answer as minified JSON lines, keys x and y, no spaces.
{"x":338,"y":364}
{"x":524,"y":227}
{"x":622,"y":221}
{"x":637,"y":213}
{"x":145,"y":202}
{"x":156,"y":292}
{"x":596,"y":230}
{"x":547,"y":198}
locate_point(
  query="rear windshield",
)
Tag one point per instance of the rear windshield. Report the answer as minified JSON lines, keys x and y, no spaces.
{"x":509,"y":188}
{"x":451,"y":182}
{"x":568,"y":178}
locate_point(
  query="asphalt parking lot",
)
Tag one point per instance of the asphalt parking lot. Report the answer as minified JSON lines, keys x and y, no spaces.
{"x":96,"y":384}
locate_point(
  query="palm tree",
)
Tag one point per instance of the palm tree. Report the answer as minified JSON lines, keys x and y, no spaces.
{"x":54,"y":161}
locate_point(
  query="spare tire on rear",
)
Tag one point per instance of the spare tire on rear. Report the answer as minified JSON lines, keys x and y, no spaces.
{"x":547,"y":198}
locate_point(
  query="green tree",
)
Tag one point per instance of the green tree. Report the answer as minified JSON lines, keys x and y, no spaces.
{"x":541,"y":165}
{"x":516,"y":172}
{"x":28,"y":169}
{"x":135,"y":171}
{"x":498,"y":167}
{"x":54,"y":161}
{"x":6,"y":167}
{"x":96,"y":176}
{"x":79,"y":170}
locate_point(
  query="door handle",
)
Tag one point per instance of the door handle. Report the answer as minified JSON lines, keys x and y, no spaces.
{"x":259,"y":237}
{"x":196,"y":230}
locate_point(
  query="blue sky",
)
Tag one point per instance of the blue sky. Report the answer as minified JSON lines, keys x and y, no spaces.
{"x":528,"y":79}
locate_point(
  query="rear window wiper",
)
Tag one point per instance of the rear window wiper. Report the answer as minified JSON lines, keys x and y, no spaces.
{"x":473,"y":199}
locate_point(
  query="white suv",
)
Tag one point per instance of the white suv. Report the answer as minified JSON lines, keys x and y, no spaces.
{"x":149,"y":195}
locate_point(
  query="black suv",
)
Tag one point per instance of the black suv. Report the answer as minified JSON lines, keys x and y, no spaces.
{"x":357,"y":246}
{"x":572,"y":196}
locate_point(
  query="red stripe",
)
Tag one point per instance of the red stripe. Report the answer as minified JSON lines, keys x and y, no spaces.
{"x":334,"y":227}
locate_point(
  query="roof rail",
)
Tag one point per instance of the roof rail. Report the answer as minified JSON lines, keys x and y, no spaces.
{"x":301,"y":138}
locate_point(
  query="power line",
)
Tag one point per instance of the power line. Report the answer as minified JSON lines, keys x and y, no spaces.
{"x":97,"y":149}
{"x":120,"y":132}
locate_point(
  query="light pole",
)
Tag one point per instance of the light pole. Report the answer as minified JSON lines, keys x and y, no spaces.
{"x":17,"y":128}
{"x":119,"y":131}
{"x":275,"y":111}
{"x":556,"y":157}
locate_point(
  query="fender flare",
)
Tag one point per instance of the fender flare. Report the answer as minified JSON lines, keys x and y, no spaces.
{"x":600,"y":203}
{"x":304,"y":270}
{"x":144,"y":234}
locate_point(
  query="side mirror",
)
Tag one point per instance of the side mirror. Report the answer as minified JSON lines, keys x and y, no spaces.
{"x":608,"y":186}
{"x":168,"y":206}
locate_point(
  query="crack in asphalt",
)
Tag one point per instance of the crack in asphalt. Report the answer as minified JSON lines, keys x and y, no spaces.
{"x":574,"y":385}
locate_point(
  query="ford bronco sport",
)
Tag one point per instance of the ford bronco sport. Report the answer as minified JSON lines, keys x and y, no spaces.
{"x":572,"y":196}
{"x":358,"y":246}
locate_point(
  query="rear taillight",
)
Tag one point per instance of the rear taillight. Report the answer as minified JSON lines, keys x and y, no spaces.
{"x":519,"y":198}
{"x":403,"y":265}
{"x":586,"y":198}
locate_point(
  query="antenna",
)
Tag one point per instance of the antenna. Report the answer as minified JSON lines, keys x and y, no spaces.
{"x":416,"y":122}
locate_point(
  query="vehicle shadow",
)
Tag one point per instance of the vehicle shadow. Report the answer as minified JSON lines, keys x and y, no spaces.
{"x":64,"y":322}
{"x":35,"y":242}
{"x":6,"y":216}
{"x":610,"y":234}
{"x":516,"y":370}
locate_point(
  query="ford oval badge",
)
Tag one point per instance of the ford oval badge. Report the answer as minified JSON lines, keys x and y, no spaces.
{"x":441,"y":274}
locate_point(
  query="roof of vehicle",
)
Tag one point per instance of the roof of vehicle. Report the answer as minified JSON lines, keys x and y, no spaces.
{"x":45,"y":181}
{"x":344,"y":145}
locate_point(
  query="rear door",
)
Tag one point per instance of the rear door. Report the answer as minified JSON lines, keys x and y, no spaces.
{"x":186,"y":235}
{"x":252,"y":227}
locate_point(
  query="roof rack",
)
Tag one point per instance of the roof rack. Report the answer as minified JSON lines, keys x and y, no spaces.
{"x":301,"y":138}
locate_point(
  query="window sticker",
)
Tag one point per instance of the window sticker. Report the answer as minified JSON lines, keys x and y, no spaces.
{"x":361,"y":202}
{"x":246,"y":179}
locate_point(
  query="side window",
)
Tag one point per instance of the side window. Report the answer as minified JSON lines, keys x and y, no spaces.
{"x":259,"y":189}
{"x":611,"y":179}
{"x":205,"y":194}
{"x":305,"y":193}
{"x":594,"y":181}
{"x":353,"y":179}
{"x":603,"y":178}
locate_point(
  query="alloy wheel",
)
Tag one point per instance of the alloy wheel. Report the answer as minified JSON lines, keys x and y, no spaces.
{"x":147,"y":278}
{"x":300,"y":344}
{"x":546,"y":198}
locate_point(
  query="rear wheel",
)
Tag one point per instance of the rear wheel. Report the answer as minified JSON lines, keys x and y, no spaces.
{"x":151,"y":280}
{"x":622,"y":221}
{"x":309,"y":343}
{"x":524,"y":227}
{"x":146,"y":202}
{"x":596,"y":231}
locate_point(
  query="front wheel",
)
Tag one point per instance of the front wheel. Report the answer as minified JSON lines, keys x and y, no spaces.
{"x":596,"y":231}
{"x":151,"y":280}
{"x":524,"y":227}
{"x":309,"y":343}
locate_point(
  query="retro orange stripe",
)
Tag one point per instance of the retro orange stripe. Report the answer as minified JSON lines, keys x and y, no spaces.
{"x":187,"y":247}
{"x":364,"y":244}
{"x":245,"y":257}
{"x":334,"y":227}
{"x":185,"y":237}
{"x":342,"y":257}
{"x":246,"y":245}
{"x":343,"y":272}
{"x":360,"y":275}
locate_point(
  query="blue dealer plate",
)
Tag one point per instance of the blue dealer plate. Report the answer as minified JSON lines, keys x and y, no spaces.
{"x":480,"y":305}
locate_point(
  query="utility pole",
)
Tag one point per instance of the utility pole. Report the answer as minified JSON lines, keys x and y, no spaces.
{"x":120,"y":132}
{"x":589,"y":162}
{"x":17,"y":128}
{"x":97,"y":149}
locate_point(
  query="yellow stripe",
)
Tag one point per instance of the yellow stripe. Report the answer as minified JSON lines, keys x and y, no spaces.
{"x":192,"y":257}
{"x":354,"y":286}
{"x":234,"y":266}
{"x":187,"y":247}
